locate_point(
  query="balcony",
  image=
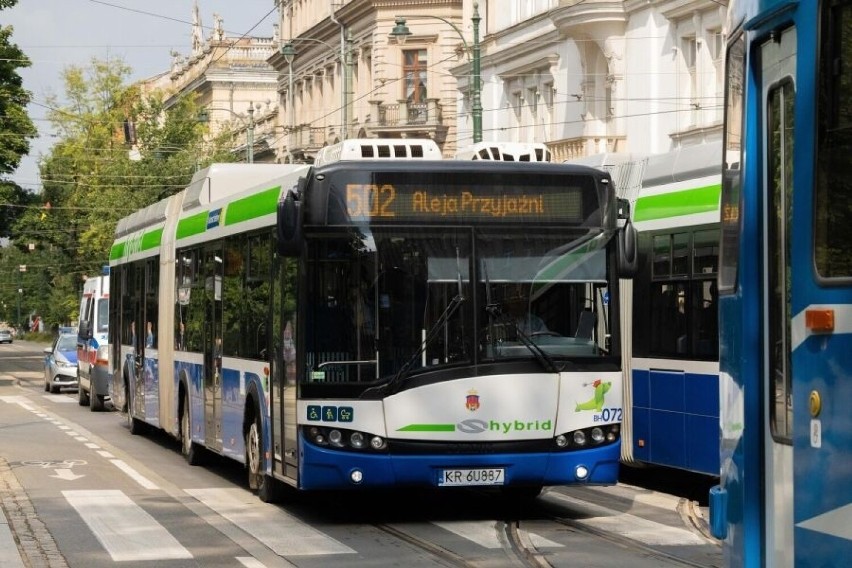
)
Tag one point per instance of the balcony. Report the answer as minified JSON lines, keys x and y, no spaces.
{"x":580,"y":147}
{"x":406,"y":120}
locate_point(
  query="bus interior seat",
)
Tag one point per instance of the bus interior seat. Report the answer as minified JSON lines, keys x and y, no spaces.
{"x":586,"y":325}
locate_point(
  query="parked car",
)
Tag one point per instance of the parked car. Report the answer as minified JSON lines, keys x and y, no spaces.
{"x":60,"y":363}
{"x":6,"y":336}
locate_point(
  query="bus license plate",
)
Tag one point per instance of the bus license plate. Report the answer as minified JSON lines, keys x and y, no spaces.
{"x":463,"y":477}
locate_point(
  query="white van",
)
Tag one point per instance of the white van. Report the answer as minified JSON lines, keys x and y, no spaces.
{"x":94,"y":373}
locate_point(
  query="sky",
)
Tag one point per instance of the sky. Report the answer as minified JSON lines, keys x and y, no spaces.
{"x":58,"y":33}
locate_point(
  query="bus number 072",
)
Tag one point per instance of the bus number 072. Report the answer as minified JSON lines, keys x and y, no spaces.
{"x":611,"y":415}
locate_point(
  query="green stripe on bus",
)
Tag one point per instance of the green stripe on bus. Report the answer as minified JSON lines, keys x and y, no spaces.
{"x":152,"y":239}
{"x":117,"y":251}
{"x":253,"y":206}
{"x":678,"y":203}
{"x":192,"y":225}
{"x":428,"y":428}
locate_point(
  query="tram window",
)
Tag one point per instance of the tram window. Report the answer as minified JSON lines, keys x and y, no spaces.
{"x":732,"y":173}
{"x":833,"y":200}
{"x":780,"y":105}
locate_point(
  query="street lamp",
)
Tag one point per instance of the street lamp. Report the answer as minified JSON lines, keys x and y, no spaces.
{"x":204,"y":116}
{"x":289,"y":52}
{"x":21,"y":269}
{"x":401,"y":32}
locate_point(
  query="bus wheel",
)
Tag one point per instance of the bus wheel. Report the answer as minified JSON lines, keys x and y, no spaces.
{"x":268,"y":488}
{"x":96,"y":402}
{"x":134,"y":425}
{"x":82,"y":399}
{"x":191,"y":451}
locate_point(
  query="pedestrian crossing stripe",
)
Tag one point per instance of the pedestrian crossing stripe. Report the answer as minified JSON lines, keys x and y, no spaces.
{"x":281,"y":532}
{"x":123,"y":528}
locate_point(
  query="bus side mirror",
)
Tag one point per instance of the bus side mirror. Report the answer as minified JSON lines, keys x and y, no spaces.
{"x":627,"y":251}
{"x":290,"y":225}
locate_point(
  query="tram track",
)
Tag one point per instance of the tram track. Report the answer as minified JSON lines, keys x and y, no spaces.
{"x":517,"y":548}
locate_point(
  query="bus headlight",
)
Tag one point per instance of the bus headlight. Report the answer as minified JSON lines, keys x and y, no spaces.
{"x":335,"y":437}
{"x":356,"y":439}
{"x":378,"y":443}
{"x":580,"y":438}
{"x":597,"y":435}
{"x":561,"y":441}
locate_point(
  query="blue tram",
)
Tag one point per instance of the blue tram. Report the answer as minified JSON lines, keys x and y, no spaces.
{"x":785,"y":286}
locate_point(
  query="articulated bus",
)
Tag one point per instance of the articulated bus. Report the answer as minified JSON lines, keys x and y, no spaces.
{"x":785,"y":286}
{"x":672,"y":403}
{"x":375,"y":323}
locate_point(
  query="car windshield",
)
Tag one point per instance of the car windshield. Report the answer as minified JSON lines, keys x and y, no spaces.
{"x":67,"y":343}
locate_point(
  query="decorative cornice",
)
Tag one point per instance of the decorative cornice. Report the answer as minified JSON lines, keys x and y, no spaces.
{"x":570,"y":19}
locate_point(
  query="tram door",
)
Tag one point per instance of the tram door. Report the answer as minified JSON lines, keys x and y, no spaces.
{"x":778,"y":90}
{"x":212,"y":339}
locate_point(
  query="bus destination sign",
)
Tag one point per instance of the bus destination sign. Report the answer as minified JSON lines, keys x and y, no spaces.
{"x":392,"y":202}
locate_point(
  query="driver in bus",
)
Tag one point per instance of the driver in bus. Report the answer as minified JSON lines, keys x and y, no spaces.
{"x":526,"y":321}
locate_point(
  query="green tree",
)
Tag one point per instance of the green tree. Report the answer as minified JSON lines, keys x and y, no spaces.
{"x":16,"y":128}
{"x":92,"y":177}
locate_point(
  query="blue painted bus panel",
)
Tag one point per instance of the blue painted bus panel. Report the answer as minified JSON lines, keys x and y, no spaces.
{"x":676,"y":419}
{"x":327,"y":469}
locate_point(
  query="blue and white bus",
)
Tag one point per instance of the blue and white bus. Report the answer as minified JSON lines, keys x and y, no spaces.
{"x":785,"y":286}
{"x":673,"y":395}
{"x":354,"y":325}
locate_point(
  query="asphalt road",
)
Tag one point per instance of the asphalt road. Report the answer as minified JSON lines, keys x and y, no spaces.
{"x":79,"y":490}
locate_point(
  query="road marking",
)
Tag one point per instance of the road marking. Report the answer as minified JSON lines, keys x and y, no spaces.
{"x":484,"y":533}
{"x":135,"y":475}
{"x":283,"y":533}
{"x":627,"y":525}
{"x":124,"y":529}
{"x":59,"y":399}
{"x":66,"y":474}
{"x":105,"y":454}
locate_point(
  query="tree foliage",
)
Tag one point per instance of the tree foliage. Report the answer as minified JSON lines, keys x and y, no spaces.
{"x":92,"y":178}
{"x":16,"y":128}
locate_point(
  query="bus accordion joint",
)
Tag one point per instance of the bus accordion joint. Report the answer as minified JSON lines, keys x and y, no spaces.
{"x":819,"y":320}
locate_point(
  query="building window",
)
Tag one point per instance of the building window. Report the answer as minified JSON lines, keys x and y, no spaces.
{"x":414,"y":73}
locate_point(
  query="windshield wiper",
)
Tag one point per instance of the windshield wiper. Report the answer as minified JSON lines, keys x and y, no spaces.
{"x":541,"y":356}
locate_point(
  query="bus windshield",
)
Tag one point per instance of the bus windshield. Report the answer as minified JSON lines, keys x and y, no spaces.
{"x":391,"y":298}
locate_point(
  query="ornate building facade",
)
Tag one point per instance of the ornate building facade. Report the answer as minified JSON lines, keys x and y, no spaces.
{"x":233,"y":82}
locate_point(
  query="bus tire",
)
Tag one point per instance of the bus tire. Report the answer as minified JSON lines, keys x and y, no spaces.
{"x":268,"y":488}
{"x":191,"y":451}
{"x":96,"y":402}
{"x":82,"y":398}
{"x":135,"y":426}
